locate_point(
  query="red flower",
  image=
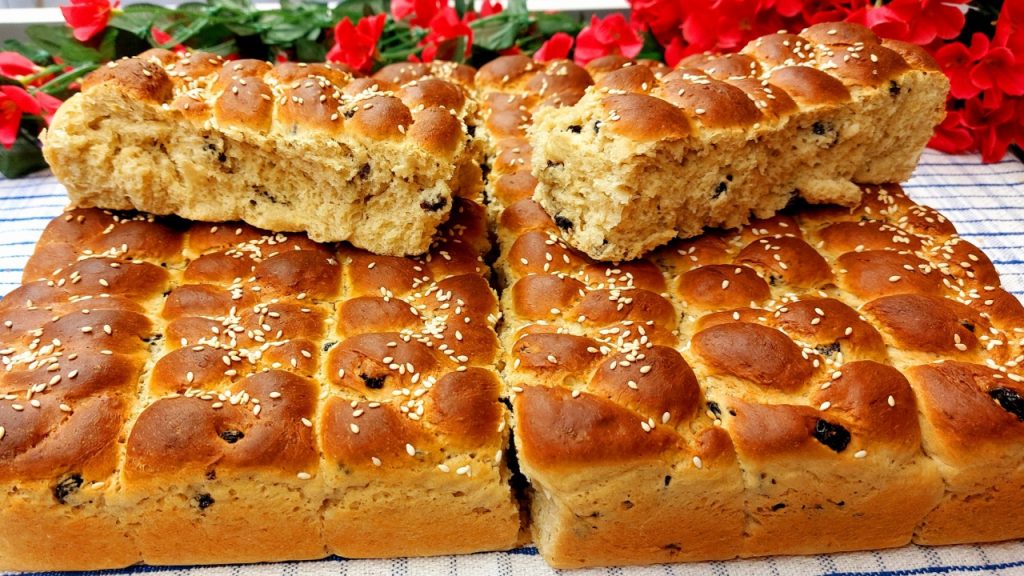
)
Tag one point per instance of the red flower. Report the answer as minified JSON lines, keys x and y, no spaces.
{"x":14,"y":65}
{"x":662,"y":17}
{"x":489,"y":8}
{"x":917,"y":21}
{"x":47,"y":105}
{"x":982,"y":66}
{"x":445,"y":29}
{"x":995,"y":127}
{"x":556,"y":48}
{"x":356,"y":44}
{"x":818,"y":11}
{"x":611,"y":35}
{"x":422,"y":11}
{"x":162,"y":38}
{"x":88,"y":18}
{"x":952,"y":136}
{"x":14,"y":102}
{"x":1010,"y":27}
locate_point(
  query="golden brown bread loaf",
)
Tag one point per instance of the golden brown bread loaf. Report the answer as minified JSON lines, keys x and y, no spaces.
{"x":286,"y":147}
{"x":649,"y":154}
{"x":828,"y":379}
{"x":189,"y":393}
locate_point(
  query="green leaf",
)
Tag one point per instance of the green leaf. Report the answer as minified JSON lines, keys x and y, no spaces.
{"x":58,"y":41}
{"x":307,"y":50}
{"x":59,"y":85}
{"x":27,"y":49}
{"x":548,"y":24}
{"x":496,"y":33}
{"x":138,"y":18}
{"x":516,"y":7}
{"x":22,"y":158}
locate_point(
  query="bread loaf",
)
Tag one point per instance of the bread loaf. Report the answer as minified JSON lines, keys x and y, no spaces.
{"x":828,"y":379}
{"x":190,"y":393}
{"x":650,"y":154}
{"x":286,"y":147}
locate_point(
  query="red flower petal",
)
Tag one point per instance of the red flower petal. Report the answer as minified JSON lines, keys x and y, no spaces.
{"x":87,"y":18}
{"x":610,"y":35}
{"x":13,"y":65}
{"x":556,"y":48}
{"x":356,"y":44}
{"x":47,"y":105}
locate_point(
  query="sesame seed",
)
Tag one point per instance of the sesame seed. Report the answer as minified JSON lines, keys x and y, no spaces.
{"x":410,"y":450}
{"x":3,"y":432}
{"x":860,"y":454}
{"x":825,"y":406}
{"x":354,"y":428}
{"x":463,"y":470}
{"x":307,"y":423}
{"x":698,"y":462}
{"x":645,"y":369}
{"x":304,"y":475}
{"x":444,"y":468}
{"x":891,"y":401}
{"x":894,"y":278}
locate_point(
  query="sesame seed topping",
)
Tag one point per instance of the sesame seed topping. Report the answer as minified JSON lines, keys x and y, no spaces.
{"x":410,"y":450}
{"x":698,"y":462}
{"x":860,"y":454}
{"x":304,"y":475}
{"x":891,"y":401}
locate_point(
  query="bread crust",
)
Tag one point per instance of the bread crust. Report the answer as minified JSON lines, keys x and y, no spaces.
{"x":648,"y":154}
{"x":287,"y":147}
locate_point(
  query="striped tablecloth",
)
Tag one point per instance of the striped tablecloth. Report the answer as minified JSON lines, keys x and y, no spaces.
{"x":986,"y":202}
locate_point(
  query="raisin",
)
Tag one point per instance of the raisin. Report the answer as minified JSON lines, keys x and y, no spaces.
{"x":668,"y":480}
{"x":563,"y":222}
{"x":828,"y":350}
{"x":777,"y":507}
{"x":364,"y":171}
{"x":328,"y":345}
{"x":832,"y":435}
{"x":719,"y":190}
{"x":552,"y":164}
{"x":818,"y":128}
{"x":373,"y":382}
{"x":211,"y":474}
{"x":66,"y":487}
{"x":772,"y":279}
{"x":231,"y":436}
{"x":1010,"y":401}
{"x":968,"y":324}
{"x":204,"y":501}
{"x":471,"y":130}
{"x":597,"y":127}
{"x":575,"y":128}
{"x":713,"y":406}
{"x":894,"y":88}
{"x":434,"y":205}
{"x":349,"y":113}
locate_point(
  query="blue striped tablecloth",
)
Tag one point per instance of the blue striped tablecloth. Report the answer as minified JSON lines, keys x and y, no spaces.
{"x":986,"y":202}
